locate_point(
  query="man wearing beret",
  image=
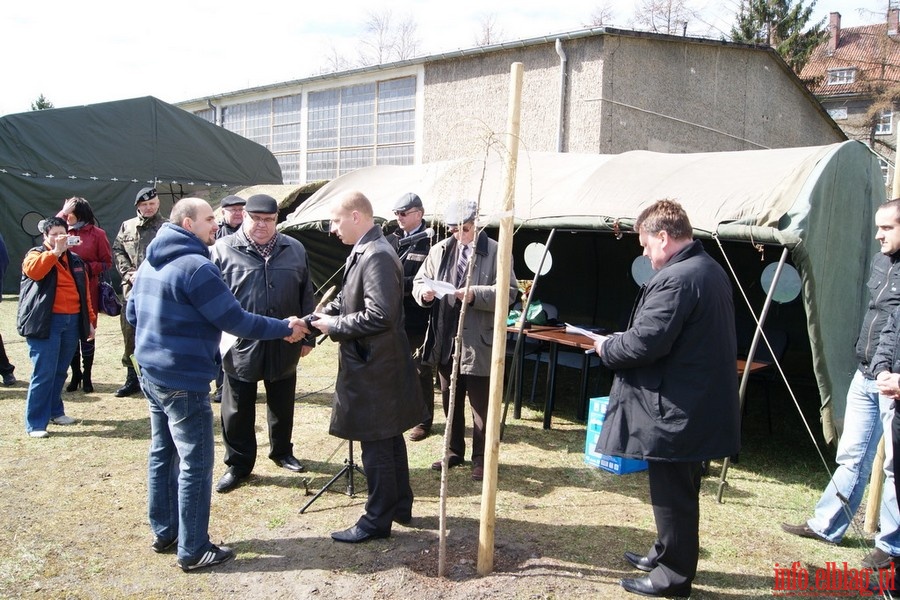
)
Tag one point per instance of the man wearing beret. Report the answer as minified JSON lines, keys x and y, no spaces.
{"x":232,"y":215}
{"x":129,"y":250}
{"x":268,"y":273}
{"x":412,"y":244}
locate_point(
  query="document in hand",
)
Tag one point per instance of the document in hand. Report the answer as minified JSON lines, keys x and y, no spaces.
{"x":441,"y":288}
{"x":584,"y":332}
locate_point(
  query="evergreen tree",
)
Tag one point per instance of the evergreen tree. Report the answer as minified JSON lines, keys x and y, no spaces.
{"x":780,"y":24}
{"x":41,"y":103}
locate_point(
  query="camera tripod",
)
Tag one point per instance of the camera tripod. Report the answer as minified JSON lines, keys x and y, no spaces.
{"x":347,"y":470}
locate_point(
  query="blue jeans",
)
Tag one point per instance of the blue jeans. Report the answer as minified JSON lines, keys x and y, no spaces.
{"x":180,"y":466}
{"x":51,"y":358}
{"x":867,"y":415}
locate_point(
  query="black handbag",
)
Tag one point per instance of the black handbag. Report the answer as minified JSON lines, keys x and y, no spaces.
{"x":109,"y":302}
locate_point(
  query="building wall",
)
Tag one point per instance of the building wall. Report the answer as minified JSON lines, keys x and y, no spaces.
{"x":624,"y":93}
{"x":693,"y":97}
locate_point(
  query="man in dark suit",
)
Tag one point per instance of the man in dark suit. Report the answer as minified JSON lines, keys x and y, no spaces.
{"x":376,"y":395}
{"x":674,"y":399}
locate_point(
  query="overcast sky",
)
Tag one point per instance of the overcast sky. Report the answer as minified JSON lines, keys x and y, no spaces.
{"x":78,"y":53}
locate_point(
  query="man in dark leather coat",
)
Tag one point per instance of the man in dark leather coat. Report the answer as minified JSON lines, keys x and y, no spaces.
{"x":376,"y":395}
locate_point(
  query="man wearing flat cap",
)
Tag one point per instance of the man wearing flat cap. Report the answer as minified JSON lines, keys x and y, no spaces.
{"x":412,"y":244}
{"x":232,"y":215}
{"x":448,"y":261}
{"x":268,"y":273}
{"x":129,"y":250}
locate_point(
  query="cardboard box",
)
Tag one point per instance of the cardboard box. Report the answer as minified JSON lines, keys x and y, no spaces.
{"x":613,"y":464}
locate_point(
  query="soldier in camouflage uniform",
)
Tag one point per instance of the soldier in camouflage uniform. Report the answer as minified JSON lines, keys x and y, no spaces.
{"x":129,"y":250}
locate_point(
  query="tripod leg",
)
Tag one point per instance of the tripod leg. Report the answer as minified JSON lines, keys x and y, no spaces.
{"x":351,"y":466}
{"x":345,"y":470}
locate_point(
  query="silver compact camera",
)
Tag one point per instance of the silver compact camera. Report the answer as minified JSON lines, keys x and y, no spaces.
{"x":73,"y":240}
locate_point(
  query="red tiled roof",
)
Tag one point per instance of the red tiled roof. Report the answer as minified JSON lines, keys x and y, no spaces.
{"x":868,"y":48}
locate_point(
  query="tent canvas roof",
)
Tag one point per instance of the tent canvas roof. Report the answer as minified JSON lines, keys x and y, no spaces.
{"x":107,"y":152}
{"x":817,"y":201}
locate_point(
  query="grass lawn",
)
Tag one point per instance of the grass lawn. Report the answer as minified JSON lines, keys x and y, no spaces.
{"x":74,"y":525}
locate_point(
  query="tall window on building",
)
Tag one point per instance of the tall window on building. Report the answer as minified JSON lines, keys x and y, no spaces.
{"x":359,"y":126}
{"x":252,"y":120}
{"x":274,"y":124}
{"x":209,"y":115}
{"x":884,"y":124}
{"x":286,"y":138}
{"x":841,"y":76}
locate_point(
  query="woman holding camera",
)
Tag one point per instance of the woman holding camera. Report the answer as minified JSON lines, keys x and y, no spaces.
{"x":94,"y":249}
{"x":55,"y":312}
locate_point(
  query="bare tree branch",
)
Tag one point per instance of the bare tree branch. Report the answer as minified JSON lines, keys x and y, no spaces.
{"x":490,"y":32}
{"x":603,"y":14}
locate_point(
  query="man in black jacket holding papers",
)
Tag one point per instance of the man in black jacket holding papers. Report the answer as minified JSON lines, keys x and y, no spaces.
{"x":674,"y":399}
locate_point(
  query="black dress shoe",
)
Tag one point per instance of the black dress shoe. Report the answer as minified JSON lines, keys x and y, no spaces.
{"x":355,"y":535}
{"x":644,"y":587}
{"x":229,"y":481}
{"x":642,"y":563}
{"x":804,"y":531}
{"x":290,"y":463}
{"x":131,"y":387}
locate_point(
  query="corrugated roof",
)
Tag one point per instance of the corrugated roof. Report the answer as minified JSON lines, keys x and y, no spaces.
{"x":868,"y":48}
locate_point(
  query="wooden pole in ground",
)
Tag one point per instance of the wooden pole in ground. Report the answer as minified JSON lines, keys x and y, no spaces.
{"x":876,"y":486}
{"x":501,"y":309}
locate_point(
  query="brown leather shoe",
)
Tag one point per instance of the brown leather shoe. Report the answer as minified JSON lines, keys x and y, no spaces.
{"x":478,"y":473}
{"x":419,"y":433}
{"x":452,"y":461}
{"x":804,"y":531}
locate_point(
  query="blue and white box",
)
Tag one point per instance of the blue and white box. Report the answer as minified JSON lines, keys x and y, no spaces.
{"x":613,"y":464}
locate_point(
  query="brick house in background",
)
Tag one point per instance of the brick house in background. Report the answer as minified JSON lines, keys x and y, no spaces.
{"x":855,"y":74}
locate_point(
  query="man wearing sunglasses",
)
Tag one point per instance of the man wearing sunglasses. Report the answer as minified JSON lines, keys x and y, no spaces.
{"x":448,"y":261}
{"x":412,"y":244}
{"x":129,"y":250}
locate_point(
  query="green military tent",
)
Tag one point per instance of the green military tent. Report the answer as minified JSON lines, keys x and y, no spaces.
{"x":106,"y":153}
{"x":816,"y":202}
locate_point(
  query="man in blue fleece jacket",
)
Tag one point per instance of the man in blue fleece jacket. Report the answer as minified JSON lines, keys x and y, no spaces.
{"x":179,"y":307}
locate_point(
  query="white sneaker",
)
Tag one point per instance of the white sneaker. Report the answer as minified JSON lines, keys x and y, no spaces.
{"x":62,"y":420}
{"x":38,"y":433}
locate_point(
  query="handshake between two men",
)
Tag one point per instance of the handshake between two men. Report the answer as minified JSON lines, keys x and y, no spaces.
{"x":305,"y":330}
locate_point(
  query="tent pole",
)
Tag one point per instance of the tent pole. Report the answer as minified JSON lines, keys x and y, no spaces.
{"x":517,"y":351}
{"x":501,"y":309}
{"x":745,"y":378}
